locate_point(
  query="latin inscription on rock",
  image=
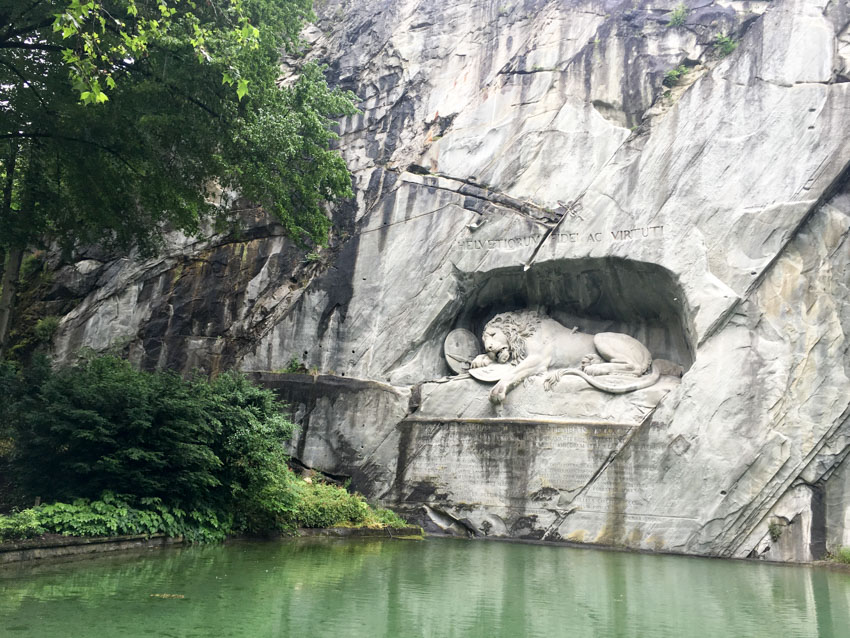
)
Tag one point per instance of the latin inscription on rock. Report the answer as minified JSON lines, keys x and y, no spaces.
{"x":497,"y":464}
{"x":619,"y":487}
{"x":641,"y":233}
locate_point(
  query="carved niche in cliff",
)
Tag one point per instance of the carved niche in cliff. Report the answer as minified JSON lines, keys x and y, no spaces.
{"x":530,"y":353}
{"x":519,"y":345}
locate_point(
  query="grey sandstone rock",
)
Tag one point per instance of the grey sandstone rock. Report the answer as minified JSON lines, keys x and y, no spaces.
{"x":528,"y":154}
{"x":347,"y":427}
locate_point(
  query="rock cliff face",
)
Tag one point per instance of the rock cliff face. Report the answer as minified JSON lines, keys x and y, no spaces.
{"x":680,"y":173}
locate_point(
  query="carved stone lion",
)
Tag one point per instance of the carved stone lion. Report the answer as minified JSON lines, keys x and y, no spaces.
{"x":536,"y":344}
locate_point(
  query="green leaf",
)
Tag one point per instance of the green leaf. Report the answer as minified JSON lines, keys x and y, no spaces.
{"x":242,"y":88}
{"x":189,"y":132}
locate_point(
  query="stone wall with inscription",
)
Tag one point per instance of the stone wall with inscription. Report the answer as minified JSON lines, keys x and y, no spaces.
{"x":536,"y":154}
{"x":501,"y":477}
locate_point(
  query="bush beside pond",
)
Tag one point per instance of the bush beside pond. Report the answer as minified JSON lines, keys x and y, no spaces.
{"x":112,"y":451}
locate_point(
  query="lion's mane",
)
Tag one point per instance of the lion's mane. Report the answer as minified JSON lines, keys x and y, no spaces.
{"x":517,"y":327}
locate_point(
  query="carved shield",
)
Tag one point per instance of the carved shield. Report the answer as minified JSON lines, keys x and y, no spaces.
{"x":460,"y":348}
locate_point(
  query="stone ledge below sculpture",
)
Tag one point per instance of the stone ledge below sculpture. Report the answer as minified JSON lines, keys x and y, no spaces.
{"x":543,"y":481}
{"x":571,"y":400}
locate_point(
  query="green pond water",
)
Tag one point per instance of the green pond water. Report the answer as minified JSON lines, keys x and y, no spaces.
{"x":437,"y":587}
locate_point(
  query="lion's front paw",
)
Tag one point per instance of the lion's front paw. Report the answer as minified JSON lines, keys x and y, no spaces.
{"x":596,"y":370}
{"x":498,"y":393}
{"x":589,"y":361}
{"x":551,"y":380}
{"x":480,"y":361}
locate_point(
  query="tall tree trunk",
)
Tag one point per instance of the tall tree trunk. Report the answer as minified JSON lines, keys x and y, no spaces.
{"x":14,"y":255}
{"x":11,"y":272}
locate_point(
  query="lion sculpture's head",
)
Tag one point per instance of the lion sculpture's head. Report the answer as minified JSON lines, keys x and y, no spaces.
{"x":517,"y":327}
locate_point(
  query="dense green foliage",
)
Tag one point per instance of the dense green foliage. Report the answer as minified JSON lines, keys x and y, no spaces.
{"x":327,"y":505}
{"x":98,"y":36}
{"x":316,"y":505}
{"x":117,"y":451}
{"x":111,"y":516}
{"x":121,"y":119}
{"x":172,"y":131}
{"x":20,"y":525}
{"x":102,"y":426}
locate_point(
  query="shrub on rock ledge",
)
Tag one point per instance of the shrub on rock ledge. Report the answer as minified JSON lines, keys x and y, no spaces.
{"x":114,"y":450}
{"x":104,"y":427}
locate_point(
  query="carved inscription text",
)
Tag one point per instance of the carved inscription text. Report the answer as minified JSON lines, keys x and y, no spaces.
{"x":563,"y":237}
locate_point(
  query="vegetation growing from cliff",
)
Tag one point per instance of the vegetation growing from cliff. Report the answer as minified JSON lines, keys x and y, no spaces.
{"x":126,"y":118}
{"x":674,"y":75}
{"x":678,"y":15}
{"x":841,"y":555}
{"x":724,"y":45}
{"x":113,"y":450}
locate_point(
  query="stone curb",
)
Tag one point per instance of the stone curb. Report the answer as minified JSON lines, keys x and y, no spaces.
{"x":35,"y":549}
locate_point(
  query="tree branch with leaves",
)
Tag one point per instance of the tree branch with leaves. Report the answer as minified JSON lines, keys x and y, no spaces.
{"x":126,"y":116}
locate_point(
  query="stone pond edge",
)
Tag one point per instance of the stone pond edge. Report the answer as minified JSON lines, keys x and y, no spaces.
{"x":38,"y":548}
